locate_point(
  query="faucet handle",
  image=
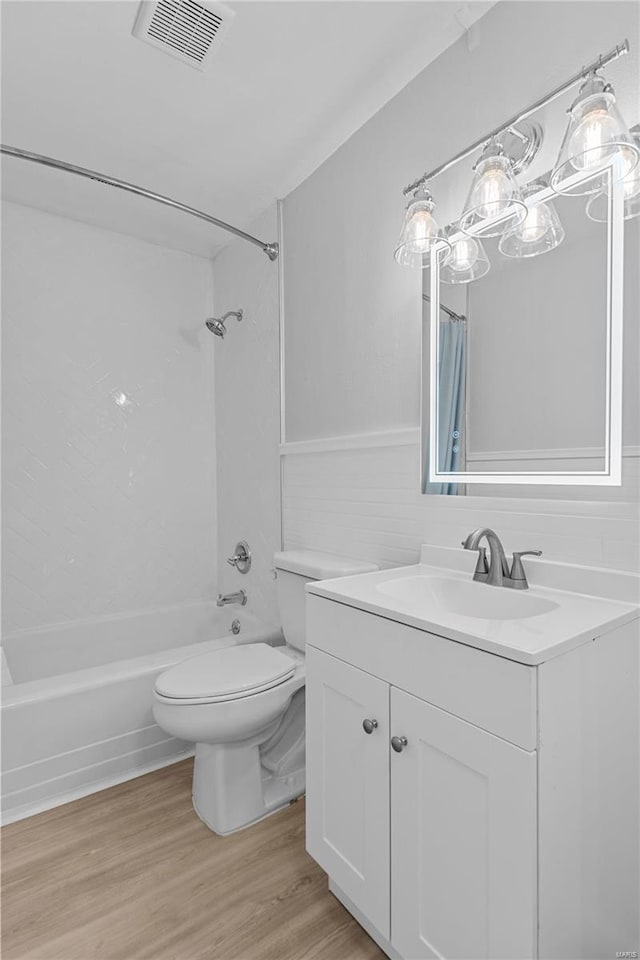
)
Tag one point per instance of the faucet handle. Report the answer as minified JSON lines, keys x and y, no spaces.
{"x":241,"y":559}
{"x":517,"y":570}
{"x":482,"y":566}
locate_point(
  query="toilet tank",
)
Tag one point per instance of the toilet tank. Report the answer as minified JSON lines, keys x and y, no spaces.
{"x":295,"y":568}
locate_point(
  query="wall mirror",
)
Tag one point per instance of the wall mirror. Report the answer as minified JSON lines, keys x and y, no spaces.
{"x":527,"y":382}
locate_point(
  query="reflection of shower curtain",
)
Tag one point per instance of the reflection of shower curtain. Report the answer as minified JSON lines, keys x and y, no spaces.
{"x":451,"y":400}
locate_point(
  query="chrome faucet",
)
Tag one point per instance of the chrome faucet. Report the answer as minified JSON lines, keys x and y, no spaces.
{"x":496,"y":571}
{"x":239,"y":597}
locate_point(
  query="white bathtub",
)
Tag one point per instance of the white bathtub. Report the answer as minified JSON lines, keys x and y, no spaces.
{"x":77,"y":715}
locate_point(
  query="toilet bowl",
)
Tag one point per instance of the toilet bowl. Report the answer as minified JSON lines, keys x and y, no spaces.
{"x":243,"y":707}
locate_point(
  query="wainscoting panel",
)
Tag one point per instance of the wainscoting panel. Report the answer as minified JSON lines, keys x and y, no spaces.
{"x":364,"y":502}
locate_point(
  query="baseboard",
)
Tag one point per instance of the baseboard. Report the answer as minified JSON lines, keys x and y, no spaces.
{"x":30,"y":809}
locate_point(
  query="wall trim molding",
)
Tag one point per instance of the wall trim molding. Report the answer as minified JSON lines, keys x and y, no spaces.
{"x":575,"y":453}
{"x":405,"y":437}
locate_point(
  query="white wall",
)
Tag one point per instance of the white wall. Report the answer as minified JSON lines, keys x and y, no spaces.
{"x":108,"y":423}
{"x":248,"y":416}
{"x":352,"y":316}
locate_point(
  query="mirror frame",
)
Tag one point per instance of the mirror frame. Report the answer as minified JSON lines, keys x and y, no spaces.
{"x":611,"y":475}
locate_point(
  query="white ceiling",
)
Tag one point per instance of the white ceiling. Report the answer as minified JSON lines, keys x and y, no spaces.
{"x":290,"y":83}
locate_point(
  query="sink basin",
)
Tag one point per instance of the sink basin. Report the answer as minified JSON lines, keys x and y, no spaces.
{"x":466,"y":598}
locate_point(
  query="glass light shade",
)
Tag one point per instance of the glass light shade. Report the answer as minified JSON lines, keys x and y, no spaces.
{"x":595,"y":134}
{"x":539,"y":232}
{"x":598,"y":205}
{"x":420,"y":232}
{"x":495,"y":201}
{"x":467,"y":261}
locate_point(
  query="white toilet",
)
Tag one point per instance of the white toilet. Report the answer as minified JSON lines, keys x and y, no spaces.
{"x":243,"y":706}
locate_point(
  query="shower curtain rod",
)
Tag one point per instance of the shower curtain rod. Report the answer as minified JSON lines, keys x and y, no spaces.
{"x":271,"y":249}
{"x":450,"y":313}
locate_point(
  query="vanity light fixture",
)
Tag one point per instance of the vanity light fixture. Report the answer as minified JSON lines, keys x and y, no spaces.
{"x":539,"y":232}
{"x":595,"y":134}
{"x":598,"y":205}
{"x":467,"y":261}
{"x":495,"y":200}
{"x":420,"y":230}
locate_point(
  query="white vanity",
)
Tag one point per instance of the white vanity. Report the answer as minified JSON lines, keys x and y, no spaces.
{"x":472,"y":758}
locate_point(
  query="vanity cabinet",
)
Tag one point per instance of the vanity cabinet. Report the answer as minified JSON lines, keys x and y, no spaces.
{"x":462,"y":810}
{"x":466,"y":805}
{"x":417,"y":838}
{"x":348,"y":782}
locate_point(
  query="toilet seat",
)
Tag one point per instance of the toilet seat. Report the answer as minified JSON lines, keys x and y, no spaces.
{"x":232,"y":673}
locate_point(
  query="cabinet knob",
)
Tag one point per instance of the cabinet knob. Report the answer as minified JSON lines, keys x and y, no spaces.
{"x":369,"y":725}
{"x":399,"y":743}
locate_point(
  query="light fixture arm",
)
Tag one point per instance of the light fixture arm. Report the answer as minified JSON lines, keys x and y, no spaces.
{"x":271,"y":249}
{"x":618,"y":51}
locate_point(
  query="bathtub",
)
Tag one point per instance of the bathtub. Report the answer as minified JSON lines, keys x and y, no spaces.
{"x":76,"y":708}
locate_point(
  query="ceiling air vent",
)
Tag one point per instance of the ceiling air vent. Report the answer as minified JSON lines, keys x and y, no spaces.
{"x":185,"y":29}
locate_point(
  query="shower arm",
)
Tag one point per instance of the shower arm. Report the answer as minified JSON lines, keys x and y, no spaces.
{"x":271,"y":249}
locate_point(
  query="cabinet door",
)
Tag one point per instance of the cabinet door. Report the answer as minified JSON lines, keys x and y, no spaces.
{"x":348,"y":781}
{"x":463,"y":839}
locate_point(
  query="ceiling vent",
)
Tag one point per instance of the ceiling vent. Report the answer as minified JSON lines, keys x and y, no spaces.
{"x":188,"y":30}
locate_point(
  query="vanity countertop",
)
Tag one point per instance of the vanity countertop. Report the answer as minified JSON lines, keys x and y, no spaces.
{"x":566,"y":618}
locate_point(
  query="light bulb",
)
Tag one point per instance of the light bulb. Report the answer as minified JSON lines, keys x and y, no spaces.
{"x":593,"y":142}
{"x":420,"y":233}
{"x":421,"y":230}
{"x":463,"y":255}
{"x":492,"y":192}
{"x":596,"y":136}
{"x":536,"y":224}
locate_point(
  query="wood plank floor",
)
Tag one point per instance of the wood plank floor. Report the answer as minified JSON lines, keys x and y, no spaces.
{"x":132,"y":874}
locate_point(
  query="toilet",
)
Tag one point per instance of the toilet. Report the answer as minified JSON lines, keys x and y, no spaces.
{"x":243,"y":707}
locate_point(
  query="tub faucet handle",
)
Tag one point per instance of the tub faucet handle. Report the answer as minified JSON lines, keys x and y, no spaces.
{"x":241,"y":559}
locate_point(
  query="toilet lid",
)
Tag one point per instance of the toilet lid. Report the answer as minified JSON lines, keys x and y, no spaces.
{"x":227,"y":674}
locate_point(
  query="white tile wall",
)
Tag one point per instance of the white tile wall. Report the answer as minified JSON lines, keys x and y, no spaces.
{"x":365,"y":503}
{"x":248,"y":416}
{"x":108,"y":423}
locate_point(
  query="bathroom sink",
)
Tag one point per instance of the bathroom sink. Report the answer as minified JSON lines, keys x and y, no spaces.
{"x":439,"y":596}
{"x":466,"y":598}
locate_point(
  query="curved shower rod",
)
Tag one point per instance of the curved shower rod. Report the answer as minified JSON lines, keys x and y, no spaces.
{"x":271,"y":249}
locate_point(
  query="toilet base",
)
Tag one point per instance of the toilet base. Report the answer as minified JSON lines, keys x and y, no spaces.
{"x":232,"y":790}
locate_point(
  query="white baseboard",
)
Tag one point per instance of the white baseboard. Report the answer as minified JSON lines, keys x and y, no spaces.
{"x":30,"y":809}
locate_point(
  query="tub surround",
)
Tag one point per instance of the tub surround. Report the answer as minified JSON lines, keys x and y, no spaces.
{"x":108,"y":428}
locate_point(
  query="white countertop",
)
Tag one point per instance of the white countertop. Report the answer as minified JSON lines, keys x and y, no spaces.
{"x":577,"y":617}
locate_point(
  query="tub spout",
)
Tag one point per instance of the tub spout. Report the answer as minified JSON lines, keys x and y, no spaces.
{"x":239,"y":597}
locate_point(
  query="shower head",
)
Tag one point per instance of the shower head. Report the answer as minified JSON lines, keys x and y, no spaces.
{"x":217,"y":327}
{"x":216,"y":324}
